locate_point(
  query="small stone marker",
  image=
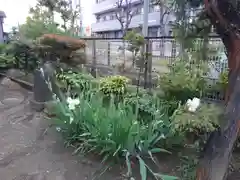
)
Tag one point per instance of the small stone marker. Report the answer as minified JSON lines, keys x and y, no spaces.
{"x":42,"y":92}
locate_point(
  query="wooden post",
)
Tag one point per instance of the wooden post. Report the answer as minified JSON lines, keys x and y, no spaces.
{"x":149,"y":51}
{"x":109,"y":54}
{"x":94,"y":59}
{"x":146,"y":64}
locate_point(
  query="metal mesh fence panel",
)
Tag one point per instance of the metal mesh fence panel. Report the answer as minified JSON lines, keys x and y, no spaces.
{"x":112,"y":53}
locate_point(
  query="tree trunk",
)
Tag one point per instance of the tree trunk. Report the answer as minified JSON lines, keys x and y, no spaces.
{"x":233,"y":63}
{"x":218,"y":149}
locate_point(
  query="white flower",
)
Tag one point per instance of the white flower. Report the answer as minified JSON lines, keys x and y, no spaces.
{"x":162,"y":136}
{"x":76,"y":101}
{"x":71,"y":119}
{"x":193,"y":104}
{"x":135,"y":122}
{"x":69,"y":100}
{"x":58,"y":129}
{"x":71,"y":106}
{"x":72,"y":103}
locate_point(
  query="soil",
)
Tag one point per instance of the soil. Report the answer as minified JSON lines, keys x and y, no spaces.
{"x":31,"y":150}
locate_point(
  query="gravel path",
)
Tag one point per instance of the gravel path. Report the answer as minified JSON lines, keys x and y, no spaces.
{"x":26,"y":152}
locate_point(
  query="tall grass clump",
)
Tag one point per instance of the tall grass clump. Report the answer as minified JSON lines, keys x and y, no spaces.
{"x":112,"y":131}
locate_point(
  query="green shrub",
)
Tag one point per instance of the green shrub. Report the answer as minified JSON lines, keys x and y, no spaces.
{"x":204,"y":120}
{"x":223,"y":80}
{"x":185,"y":80}
{"x":113,"y":132}
{"x":2,"y":48}
{"x":24,"y":54}
{"x":7,"y":61}
{"x":115,"y":85}
{"x":74,"y":81}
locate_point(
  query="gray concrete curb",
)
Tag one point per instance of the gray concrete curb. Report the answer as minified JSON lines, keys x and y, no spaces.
{"x":37,"y":106}
{"x":24,"y":84}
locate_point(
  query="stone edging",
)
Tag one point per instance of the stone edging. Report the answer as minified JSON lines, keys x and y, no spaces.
{"x":37,"y":106}
{"x":24,"y":84}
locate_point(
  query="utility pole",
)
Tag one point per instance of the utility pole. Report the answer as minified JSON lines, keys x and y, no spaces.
{"x":80,"y":18}
{"x":147,"y":73}
{"x":145,"y":18}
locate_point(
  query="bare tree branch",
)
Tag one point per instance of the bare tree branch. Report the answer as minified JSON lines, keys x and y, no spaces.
{"x":165,"y":10}
{"x":124,"y":13}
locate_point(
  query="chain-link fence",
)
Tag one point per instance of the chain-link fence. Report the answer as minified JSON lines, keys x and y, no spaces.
{"x":108,"y":56}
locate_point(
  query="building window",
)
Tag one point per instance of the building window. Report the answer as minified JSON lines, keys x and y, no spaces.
{"x":104,"y":18}
{"x":112,"y":16}
{"x":138,"y":10}
{"x":111,"y":35}
{"x":118,"y":34}
{"x":98,"y":18}
{"x":154,"y":8}
{"x":99,"y":1}
{"x":153,"y":32}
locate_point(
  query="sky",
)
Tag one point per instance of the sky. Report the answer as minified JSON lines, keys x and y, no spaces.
{"x":17,"y":11}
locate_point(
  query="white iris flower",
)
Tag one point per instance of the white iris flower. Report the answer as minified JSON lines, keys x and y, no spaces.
{"x":193,"y":104}
{"x":72,"y":103}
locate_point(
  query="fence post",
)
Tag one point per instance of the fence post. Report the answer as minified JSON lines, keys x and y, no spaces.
{"x":94,"y":59}
{"x":173,"y":53}
{"x":148,"y":64}
{"x":161,"y":47}
{"x":150,"y":54}
{"x":108,"y":55}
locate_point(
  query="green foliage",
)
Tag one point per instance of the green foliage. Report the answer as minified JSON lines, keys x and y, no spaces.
{"x":2,"y":48}
{"x":115,"y":85}
{"x":34,"y":28}
{"x":188,"y":167}
{"x":136,"y":43}
{"x":6,"y":61}
{"x":185,"y":80}
{"x":223,"y":80}
{"x":74,"y":81}
{"x":204,"y":120}
{"x":135,"y":40}
{"x":132,"y":127}
{"x":24,"y":55}
{"x":147,"y":103}
{"x":113,"y":132}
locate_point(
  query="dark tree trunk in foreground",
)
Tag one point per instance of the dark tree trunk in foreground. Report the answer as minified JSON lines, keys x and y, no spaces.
{"x":218,"y":150}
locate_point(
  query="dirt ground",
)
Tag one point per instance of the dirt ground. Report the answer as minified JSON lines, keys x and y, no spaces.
{"x":28,"y":151}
